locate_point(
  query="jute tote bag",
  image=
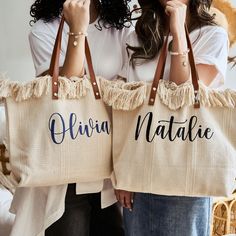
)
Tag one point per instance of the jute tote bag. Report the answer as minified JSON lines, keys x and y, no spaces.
{"x":58,"y":129}
{"x":173,"y":140}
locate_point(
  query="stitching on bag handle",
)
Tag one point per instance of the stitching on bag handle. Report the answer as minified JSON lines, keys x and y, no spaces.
{"x":54,"y":65}
{"x":161,"y":68}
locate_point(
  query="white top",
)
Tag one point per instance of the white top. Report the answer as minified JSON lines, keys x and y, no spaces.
{"x":38,"y":208}
{"x":6,"y":218}
{"x":210,"y":46}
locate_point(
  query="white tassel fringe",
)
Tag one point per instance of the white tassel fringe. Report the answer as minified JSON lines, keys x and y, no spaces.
{"x":123,"y":96}
{"x":73,"y":88}
{"x":129,"y":96}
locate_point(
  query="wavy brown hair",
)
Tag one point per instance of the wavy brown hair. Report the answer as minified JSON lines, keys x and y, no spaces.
{"x":150,"y":27}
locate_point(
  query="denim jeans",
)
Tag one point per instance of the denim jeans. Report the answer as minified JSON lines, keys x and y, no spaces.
{"x":157,"y":215}
{"x":83,"y":216}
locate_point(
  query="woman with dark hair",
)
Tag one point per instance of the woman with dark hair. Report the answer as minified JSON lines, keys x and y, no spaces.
{"x":152,"y":214}
{"x":74,"y":210}
{"x":111,"y":13}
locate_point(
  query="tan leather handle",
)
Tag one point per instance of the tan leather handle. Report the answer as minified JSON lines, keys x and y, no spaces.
{"x":161,"y":68}
{"x":159,"y":72}
{"x":54,"y":65}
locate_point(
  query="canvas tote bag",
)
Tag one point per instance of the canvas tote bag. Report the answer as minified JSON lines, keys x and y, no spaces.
{"x":173,"y":140}
{"x":58,"y":129}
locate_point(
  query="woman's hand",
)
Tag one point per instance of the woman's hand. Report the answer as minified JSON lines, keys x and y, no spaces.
{"x":176,"y":10}
{"x":125,"y":198}
{"x":76,"y":14}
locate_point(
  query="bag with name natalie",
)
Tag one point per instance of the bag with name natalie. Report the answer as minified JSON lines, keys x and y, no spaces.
{"x":173,"y":140}
{"x":58,"y":129}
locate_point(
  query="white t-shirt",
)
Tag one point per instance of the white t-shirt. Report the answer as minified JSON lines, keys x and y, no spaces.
{"x":6,"y":218}
{"x":105,"y":45}
{"x":44,"y":205}
{"x":210,"y":46}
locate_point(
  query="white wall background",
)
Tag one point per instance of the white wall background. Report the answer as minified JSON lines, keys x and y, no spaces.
{"x":15,"y":57}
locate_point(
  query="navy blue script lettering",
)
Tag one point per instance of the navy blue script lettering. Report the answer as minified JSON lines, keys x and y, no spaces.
{"x":75,"y":128}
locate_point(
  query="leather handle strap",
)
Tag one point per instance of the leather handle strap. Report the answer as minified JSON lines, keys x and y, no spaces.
{"x":91,"y":71}
{"x":159,"y":72}
{"x":161,"y":68}
{"x":54,"y":65}
{"x":194,"y":73}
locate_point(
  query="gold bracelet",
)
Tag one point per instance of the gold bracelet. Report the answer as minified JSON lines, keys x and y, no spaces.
{"x":76,"y":36}
{"x":179,"y":53}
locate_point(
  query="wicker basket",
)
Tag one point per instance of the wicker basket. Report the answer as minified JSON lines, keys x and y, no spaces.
{"x":232,"y":209}
{"x":224,"y":216}
{"x":4,"y":160}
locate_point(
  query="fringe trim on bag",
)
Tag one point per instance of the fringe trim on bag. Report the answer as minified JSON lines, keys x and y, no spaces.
{"x":175,"y":96}
{"x":217,"y":98}
{"x":73,"y":88}
{"x":129,"y":96}
{"x":123,"y":96}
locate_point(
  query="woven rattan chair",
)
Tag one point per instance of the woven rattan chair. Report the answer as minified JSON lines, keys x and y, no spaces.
{"x":224,"y":216}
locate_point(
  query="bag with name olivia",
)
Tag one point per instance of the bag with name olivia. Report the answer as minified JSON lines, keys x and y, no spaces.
{"x":58,"y":129}
{"x":173,"y":140}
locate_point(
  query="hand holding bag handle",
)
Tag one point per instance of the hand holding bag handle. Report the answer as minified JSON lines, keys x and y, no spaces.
{"x":54,"y":65}
{"x":161,"y":68}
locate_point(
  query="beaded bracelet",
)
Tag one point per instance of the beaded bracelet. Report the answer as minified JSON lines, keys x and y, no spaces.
{"x":76,"y":36}
{"x":179,"y":53}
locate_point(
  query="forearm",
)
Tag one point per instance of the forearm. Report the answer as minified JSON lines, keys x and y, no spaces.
{"x":74,"y":59}
{"x":180,"y":68}
{"x":76,"y":14}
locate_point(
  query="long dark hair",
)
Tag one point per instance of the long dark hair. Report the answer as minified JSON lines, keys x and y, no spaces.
{"x":150,"y":26}
{"x":113,"y":13}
